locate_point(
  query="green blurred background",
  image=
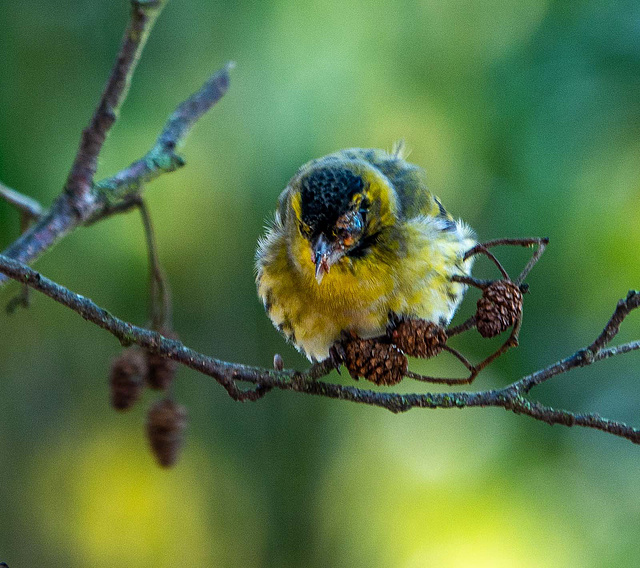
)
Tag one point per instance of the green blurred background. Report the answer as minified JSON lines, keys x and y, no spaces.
{"x":525,"y":114}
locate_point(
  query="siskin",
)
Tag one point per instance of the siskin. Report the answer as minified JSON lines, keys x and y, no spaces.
{"x":356,"y":237}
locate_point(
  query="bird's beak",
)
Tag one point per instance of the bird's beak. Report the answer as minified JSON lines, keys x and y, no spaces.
{"x":323,"y":256}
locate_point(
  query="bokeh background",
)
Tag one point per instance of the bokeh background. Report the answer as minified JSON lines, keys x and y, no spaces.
{"x":525,"y":114}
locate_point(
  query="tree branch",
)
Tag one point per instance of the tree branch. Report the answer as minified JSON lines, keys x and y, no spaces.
{"x":162,"y":158}
{"x":26,"y":205}
{"x":78,"y":201}
{"x":228,"y":374}
{"x":595,"y":352}
{"x":83,"y":202}
{"x":118,"y":193}
{"x":79,"y":186}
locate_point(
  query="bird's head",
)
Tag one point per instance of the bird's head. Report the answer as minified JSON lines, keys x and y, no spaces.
{"x":339,"y":212}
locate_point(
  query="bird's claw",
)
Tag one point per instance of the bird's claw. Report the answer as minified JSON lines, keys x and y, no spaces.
{"x":337,"y":353}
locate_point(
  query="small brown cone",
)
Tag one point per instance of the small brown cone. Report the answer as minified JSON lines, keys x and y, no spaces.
{"x":419,"y":338}
{"x":126,"y":378}
{"x":380,"y":363}
{"x":161,"y":370}
{"x":498,"y":308}
{"x":166,"y":423}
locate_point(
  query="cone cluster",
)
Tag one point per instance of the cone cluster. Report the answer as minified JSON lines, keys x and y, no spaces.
{"x":134,"y":368}
{"x":380,"y":363}
{"x":498,"y":308}
{"x":130,"y":372}
{"x":419,"y":338}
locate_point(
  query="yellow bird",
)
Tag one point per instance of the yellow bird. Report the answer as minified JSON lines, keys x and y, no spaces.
{"x":356,"y":237}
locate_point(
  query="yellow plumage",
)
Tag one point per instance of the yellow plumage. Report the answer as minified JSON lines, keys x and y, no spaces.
{"x":357,"y":236}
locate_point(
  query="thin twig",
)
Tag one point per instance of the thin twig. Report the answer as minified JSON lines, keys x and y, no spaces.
{"x":160,"y":296}
{"x":541,"y":243}
{"x":474,"y":370}
{"x":459,"y":356}
{"x":61,"y":219}
{"x":592,"y":353}
{"x":162,"y":158}
{"x":481,"y":249}
{"x":631,"y":302}
{"x":126,"y":204}
{"x":79,"y":184}
{"x":511,"y":341}
{"x":26,"y":205}
{"x":524,"y":242}
{"x":228,"y":374}
{"x":23,"y":299}
{"x":464,"y":326}
{"x":532,"y":261}
{"x":470,"y":281}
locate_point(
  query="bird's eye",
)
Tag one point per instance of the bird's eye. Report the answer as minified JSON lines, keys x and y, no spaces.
{"x":349,"y":227}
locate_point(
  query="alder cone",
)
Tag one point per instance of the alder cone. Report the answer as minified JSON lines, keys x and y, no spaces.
{"x":126,"y":378}
{"x":380,"y":363}
{"x":419,"y":338}
{"x":166,"y":423}
{"x":498,"y":308}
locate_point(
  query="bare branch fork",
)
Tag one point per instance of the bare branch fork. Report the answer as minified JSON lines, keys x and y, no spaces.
{"x":84,"y":201}
{"x":511,"y":397}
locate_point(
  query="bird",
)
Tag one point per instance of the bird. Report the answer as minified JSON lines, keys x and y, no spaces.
{"x":358,"y":241}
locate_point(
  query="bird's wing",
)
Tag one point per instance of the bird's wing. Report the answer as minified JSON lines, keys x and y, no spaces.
{"x":410,"y":183}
